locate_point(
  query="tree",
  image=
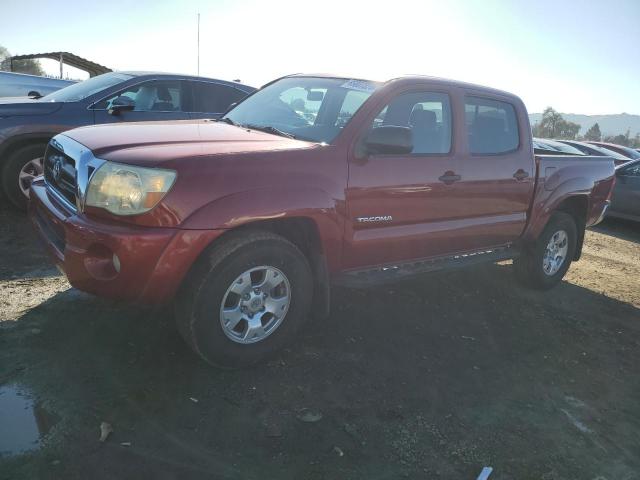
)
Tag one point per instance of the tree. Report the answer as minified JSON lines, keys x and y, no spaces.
{"x":593,"y":133}
{"x":30,"y":66}
{"x":568,"y":130}
{"x":553,"y":125}
{"x":620,"y":139}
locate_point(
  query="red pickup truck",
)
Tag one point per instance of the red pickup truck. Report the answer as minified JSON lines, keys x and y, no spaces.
{"x":245,"y":222}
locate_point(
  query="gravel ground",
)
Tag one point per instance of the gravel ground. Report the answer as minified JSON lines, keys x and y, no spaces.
{"x":428,"y":379}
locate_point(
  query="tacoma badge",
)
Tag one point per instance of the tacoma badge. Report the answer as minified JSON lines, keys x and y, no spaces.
{"x":382,"y":218}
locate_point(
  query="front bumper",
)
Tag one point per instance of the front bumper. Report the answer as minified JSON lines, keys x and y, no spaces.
{"x":128,"y":262}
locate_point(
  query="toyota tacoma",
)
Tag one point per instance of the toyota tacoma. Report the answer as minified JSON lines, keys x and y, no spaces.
{"x":243,"y":223}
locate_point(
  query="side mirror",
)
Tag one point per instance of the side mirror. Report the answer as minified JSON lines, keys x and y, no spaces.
{"x":118,"y":109}
{"x":389,"y":139}
{"x":121,"y":104}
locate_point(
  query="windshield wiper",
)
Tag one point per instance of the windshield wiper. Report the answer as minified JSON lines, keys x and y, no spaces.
{"x":269,"y":129}
{"x":228,"y":120}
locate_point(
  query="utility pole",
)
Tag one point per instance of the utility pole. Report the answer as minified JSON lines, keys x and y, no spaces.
{"x":198,"y":44}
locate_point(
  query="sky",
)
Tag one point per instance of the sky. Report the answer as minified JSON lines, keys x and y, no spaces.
{"x":576,"y":56}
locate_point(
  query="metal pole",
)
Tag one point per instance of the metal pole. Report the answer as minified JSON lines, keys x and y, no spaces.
{"x":61,"y":66}
{"x":198,"y":44}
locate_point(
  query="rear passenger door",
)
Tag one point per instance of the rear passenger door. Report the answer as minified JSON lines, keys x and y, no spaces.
{"x":497,"y":171}
{"x":151,"y":100}
{"x":211,"y":99}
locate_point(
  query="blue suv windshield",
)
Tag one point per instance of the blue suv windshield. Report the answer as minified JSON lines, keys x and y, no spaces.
{"x":82,"y":90}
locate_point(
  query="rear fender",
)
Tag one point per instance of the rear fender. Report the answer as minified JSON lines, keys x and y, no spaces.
{"x":549,"y":196}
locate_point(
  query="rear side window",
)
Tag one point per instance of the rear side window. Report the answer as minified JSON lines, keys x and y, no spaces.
{"x":492,"y":126}
{"x":214,"y":97}
{"x":427,"y":114}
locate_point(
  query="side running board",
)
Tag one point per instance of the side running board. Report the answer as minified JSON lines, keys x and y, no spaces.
{"x":393,"y":273}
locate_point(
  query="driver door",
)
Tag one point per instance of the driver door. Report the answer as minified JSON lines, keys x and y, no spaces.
{"x":152,"y":100}
{"x":406,"y":206}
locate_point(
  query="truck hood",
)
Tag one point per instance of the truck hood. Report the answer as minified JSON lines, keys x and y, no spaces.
{"x":13,"y":106}
{"x":149,"y":143}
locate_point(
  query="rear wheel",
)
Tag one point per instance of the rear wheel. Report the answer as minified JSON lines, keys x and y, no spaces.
{"x":544,"y":264}
{"x":245,"y":300}
{"x":21,"y":167}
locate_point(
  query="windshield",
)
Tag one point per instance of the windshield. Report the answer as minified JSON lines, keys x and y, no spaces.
{"x":607,"y":152}
{"x":631,"y":153}
{"x":564,"y":148}
{"x":82,"y":90}
{"x":308,"y":108}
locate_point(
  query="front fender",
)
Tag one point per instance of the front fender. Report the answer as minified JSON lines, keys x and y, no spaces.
{"x":271,"y":204}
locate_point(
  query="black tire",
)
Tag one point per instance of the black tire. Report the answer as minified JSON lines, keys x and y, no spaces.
{"x":11,"y":171}
{"x":529,"y":266}
{"x":200,"y":297}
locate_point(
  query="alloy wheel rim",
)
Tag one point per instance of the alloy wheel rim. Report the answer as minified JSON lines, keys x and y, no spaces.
{"x":255,"y":304}
{"x":28,"y":172}
{"x":556,"y":253}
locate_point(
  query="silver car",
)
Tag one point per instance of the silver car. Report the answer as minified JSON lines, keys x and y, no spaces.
{"x":22,"y":85}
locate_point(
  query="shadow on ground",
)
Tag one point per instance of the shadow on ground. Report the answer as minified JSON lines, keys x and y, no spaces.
{"x":433,"y":378}
{"x":619,"y":228}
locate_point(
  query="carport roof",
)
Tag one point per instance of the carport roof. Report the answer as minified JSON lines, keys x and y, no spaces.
{"x":70,"y":59}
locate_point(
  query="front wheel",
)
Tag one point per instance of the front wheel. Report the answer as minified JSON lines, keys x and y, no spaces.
{"x":21,"y":167}
{"x":544,"y":264}
{"x":245,"y":300}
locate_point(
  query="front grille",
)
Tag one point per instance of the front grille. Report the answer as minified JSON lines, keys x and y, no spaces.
{"x":60,"y":174}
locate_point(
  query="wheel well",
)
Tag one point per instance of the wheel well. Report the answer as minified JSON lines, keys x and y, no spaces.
{"x":23,"y":142}
{"x":576,"y":206}
{"x":303,"y":233}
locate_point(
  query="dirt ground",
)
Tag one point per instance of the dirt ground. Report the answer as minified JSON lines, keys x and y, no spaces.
{"x":428,"y":379}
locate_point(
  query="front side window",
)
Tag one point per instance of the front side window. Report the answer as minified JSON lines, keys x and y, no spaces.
{"x":492,"y":126}
{"x":309,"y":108}
{"x":427,"y":114}
{"x":153,"y":96}
{"x":214,"y":97}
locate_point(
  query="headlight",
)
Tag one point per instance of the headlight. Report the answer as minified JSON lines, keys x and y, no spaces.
{"x":128,"y":190}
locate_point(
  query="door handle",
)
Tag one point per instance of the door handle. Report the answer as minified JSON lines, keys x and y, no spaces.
{"x":520,"y":175}
{"x":449,"y":177}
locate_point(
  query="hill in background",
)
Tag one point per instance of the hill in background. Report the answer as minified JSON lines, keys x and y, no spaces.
{"x":609,"y":124}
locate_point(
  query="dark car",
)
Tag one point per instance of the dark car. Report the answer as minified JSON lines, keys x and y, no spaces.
{"x":596,"y":151}
{"x":630,"y":153}
{"x":625,"y":202}
{"x":27,"y":125}
{"x":544,"y":146}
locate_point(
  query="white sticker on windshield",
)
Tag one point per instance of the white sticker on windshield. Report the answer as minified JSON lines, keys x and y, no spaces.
{"x":360,"y":85}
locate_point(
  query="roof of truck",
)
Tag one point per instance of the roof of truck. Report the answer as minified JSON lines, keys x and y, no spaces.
{"x":409,"y":78}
